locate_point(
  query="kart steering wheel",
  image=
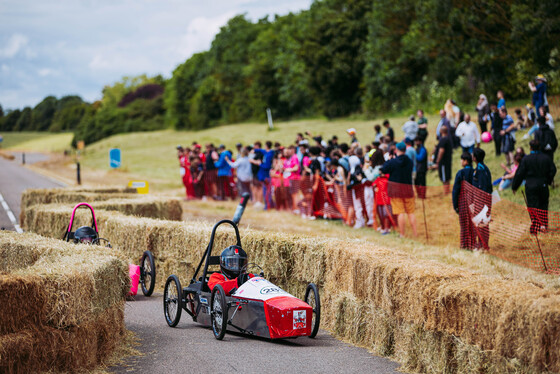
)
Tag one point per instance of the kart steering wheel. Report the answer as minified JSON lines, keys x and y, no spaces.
{"x":251,"y":265}
{"x":98,"y":241}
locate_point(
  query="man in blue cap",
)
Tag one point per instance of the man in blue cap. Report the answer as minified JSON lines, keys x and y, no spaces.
{"x":400,"y":187}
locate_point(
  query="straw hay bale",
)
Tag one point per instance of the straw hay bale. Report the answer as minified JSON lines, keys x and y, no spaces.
{"x":430,"y":316}
{"x":31,"y":196}
{"x":75,"y":348}
{"x":60,"y":285}
{"x":130,"y":204}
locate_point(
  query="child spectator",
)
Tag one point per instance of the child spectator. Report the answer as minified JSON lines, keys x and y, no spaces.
{"x":507,"y":179}
{"x":378,"y":134}
{"x":390,"y":133}
{"x":422,"y":126}
{"x":197,"y":173}
{"x":292,"y":173}
{"x":383,"y":203}
{"x":244,"y":172}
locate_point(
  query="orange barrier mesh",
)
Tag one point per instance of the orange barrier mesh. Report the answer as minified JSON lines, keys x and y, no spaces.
{"x":527,"y":237}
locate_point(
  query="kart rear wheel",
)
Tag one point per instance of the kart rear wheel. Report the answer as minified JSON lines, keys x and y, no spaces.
{"x":218,"y":312}
{"x":312,"y":298}
{"x":172,"y":301}
{"x":147,"y":273}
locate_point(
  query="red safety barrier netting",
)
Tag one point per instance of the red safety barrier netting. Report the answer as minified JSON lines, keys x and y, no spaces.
{"x":527,"y":237}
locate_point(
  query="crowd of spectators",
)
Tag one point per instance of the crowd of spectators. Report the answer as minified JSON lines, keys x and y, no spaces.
{"x":368,"y":182}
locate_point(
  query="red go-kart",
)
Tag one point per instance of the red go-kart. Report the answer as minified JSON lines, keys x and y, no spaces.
{"x":257,"y":307}
{"x":145,"y":274}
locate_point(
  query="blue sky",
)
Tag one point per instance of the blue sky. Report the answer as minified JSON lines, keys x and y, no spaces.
{"x":65,"y":47}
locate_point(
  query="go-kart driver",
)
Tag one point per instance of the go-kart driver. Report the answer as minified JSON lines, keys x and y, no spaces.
{"x":232,"y":260}
{"x":86,"y":235}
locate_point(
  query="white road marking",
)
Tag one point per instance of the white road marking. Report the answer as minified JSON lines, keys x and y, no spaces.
{"x":10,"y":214}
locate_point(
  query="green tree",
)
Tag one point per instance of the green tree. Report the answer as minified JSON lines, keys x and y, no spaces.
{"x":182,"y":87}
{"x":24,"y":121}
{"x":336,"y":35}
{"x":69,"y":113}
{"x":43,"y":114}
{"x":10,"y":119}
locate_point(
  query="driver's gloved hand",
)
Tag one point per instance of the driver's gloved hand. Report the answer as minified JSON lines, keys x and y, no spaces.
{"x":242,"y":278}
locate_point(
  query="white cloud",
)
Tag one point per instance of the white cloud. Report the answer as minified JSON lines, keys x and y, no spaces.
{"x":201,"y":32}
{"x":15,"y":44}
{"x":45,"y":72}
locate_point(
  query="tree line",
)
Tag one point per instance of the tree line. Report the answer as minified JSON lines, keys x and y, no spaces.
{"x":338,"y":58}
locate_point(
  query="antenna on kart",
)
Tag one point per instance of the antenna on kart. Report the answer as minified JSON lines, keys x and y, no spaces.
{"x":241,"y":207}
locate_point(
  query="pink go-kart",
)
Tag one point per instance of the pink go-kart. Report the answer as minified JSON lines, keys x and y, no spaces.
{"x":145,"y":274}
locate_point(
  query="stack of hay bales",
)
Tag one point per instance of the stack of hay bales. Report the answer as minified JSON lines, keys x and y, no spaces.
{"x":125,"y":200}
{"x":61,"y":305}
{"x":429,"y":316}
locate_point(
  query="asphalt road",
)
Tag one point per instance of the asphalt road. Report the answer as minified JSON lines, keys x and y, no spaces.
{"x":14,"y":179}
{"x":191,"y":348}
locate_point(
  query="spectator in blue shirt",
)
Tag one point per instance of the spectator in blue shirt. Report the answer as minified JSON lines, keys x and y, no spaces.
{"x":539,"y":93}
{"x":501,"y":100}
{"x":421,"y":168}
{"x":224,"y":173}
{"x":263,"y":175}
{"x":411,"y":153}
{"x":508,"y":135}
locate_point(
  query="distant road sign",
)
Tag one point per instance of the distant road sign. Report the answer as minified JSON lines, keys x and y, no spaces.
{"x":142,"y":187}
{"x":115,"y":158}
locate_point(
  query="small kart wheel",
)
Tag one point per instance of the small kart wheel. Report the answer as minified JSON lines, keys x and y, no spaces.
{"x":172,"y":301}
{"x":312,"y":298}
{"x":218,"y":312}
{"x":147,"y":273}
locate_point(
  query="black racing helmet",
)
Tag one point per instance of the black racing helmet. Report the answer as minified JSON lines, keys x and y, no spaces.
{"x":85,"y":234}
{"x":232,"y":260}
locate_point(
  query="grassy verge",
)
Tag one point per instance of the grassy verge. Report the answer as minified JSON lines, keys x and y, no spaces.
{"x":36,"y":141}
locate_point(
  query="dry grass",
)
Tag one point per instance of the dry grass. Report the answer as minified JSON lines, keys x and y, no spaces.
{"x":62,"y":304}
{"x":430,"y":316}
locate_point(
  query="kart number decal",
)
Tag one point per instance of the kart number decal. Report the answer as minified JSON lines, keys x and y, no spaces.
{"x":270,"y":290}
{"x":204,"y":300}
{"x":299,"y":319}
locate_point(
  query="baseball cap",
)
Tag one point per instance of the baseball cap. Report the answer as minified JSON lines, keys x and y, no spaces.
{"x":540,"y":77}
{"x":401,"y":146}
{"x":222,"y":146}
{"x":351,"y":131}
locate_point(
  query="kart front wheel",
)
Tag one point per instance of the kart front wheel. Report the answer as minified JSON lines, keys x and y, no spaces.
{"x":312,"y":298}
{"x":218,"y":312}
{"x":147,"y":273}
{"x":172,"y":301}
